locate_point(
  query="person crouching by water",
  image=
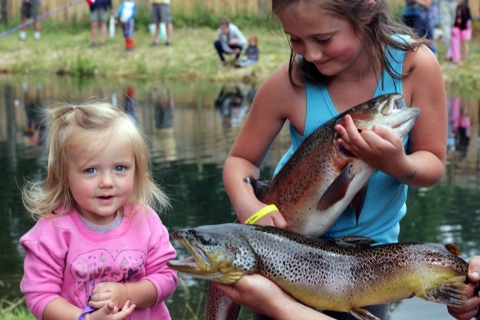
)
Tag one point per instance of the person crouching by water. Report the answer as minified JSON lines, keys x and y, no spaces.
{"x":251,"y":53}
{"x":230,"y":41}
{"x":98,"y":250}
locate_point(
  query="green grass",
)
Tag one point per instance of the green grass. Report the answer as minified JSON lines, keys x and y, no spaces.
{"x":14,"y":310}
{"x":64,"y":50}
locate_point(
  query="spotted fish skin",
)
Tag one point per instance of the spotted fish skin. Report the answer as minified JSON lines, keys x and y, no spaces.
{"x":321,"y":178}
{"x":341,"y":275}
{"x":219,"y":306}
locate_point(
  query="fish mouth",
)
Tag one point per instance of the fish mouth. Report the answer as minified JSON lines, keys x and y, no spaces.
{"x":390,"y":113}
{"x":198,"y":265}
{"x":199,"y":259}
{"x":209,"y":260}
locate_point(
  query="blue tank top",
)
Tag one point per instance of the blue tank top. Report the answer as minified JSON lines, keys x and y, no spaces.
{"x":384,"y":204}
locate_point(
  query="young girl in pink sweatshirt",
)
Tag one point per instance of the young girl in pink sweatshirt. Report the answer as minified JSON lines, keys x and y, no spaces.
{"x":98,"y":250}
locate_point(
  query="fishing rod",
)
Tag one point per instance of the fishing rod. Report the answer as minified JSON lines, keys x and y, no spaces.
{"x":39,"y":18}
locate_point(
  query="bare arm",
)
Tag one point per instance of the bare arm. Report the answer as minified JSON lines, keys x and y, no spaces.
{"x":424,"y":164}
{"x":270,"y":109}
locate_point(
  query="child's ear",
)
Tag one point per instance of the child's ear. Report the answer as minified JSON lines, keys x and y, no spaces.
{"x":370,"y":3}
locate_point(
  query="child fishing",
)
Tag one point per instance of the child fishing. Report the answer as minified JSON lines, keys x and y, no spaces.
{"x":343,"y":53}
{"x":98,"y":249}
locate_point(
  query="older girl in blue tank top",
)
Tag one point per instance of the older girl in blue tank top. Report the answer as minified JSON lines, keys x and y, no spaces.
{"x":350,"y":51}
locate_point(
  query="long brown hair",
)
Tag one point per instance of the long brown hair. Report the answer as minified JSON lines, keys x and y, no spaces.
{"x":376,"y":35}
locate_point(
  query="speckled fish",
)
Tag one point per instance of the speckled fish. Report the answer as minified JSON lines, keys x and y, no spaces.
{"x":321,"y":178}
{"x":342,"y":274}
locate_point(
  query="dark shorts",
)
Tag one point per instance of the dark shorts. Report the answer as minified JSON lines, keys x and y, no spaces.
{"x":29,"y":11}
{"x":161,"y":13}
{"x":99,"y":14}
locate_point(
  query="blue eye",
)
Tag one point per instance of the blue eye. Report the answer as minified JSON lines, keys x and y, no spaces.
{"x":90,"y":170}
{"x":323,"y":40}
{"x":120,"y":168}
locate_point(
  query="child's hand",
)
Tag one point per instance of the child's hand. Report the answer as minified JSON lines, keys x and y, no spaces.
{"x":379,"y":147}
{"x":110,"y":312}
{"x":472,"y":307}
{"x":106,"y":292}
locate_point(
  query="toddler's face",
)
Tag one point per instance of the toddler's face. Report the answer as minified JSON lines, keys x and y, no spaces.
{"x":101,"y":178}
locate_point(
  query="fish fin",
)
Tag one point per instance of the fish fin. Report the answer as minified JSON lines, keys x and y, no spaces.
{"x":259,"y":186}
{"x":358,"y":201}
{"x":452,"y":292}
{"x":336,"y":191}
{"x":361,"y":314}
{"x":453,"y":249}
{"x":353,"y":241}
{"x":219,"y":306}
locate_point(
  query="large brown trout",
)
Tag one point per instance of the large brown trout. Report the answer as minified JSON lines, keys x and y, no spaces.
{"x":321,"y":179}
{"x":341,"y":274}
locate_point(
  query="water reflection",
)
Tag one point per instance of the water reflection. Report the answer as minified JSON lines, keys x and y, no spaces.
{"x":191,"y":127}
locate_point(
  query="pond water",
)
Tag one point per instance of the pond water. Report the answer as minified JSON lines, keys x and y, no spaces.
{"x":190,"y":136}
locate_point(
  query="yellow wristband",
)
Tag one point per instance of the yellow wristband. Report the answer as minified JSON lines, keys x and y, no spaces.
{"x":261,"y":213}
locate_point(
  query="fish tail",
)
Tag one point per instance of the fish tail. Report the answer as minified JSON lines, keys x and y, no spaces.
{"x":452,"y":292}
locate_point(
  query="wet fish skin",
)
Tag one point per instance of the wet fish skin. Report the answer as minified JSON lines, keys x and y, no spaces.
{"x":343,"y":274}
{"x":219,"y":306}
{"x":321,"y":178}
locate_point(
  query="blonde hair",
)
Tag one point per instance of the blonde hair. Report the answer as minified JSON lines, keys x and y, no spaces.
{"x":69,"y":126}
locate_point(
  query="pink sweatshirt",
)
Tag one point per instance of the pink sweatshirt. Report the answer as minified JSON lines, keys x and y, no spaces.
{"x":65,"y":258}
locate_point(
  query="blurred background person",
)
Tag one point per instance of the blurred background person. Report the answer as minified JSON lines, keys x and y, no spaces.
{"x":251,"y":54}
{"x":447,"y":18}
{"x":99,"y":10}
{"x":461,"y":32}
{"x":126,"y":13}
{"x":230,"y":40}
{"x":30,"y":9}
{"x":416,"y":16}
{"x":161,"y":14}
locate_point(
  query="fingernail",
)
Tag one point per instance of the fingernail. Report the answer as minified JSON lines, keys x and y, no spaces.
{"x":476,"y":274}
{"x":376,"y":128}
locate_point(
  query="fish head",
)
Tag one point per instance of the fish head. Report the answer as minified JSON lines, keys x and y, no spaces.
{"x":220,"y":253}
{"x":385,"y":110}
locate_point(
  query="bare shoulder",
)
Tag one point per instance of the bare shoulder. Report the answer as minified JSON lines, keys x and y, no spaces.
{"x":280,"y":97}
{"x":424,"y":79}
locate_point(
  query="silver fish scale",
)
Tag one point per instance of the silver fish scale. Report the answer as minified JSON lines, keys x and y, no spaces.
{"x":314,"y":263}
{"x":244,"y":260}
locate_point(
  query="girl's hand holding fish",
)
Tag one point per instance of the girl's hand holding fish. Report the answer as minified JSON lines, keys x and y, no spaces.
{"x":380,"y":147}
{"x":471,"y":308}
{"x":262,"y":295}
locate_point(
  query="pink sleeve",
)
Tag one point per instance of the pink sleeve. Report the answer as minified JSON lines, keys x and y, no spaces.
{"x":160,"y":252}
{"x":42,"y":279}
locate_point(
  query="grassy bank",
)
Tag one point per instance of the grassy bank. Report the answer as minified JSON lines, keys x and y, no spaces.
{"x":190,"y":57}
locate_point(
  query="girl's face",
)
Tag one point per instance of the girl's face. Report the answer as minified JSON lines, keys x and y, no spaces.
{"x":324,"y":39}
{"x":102,"y":183}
